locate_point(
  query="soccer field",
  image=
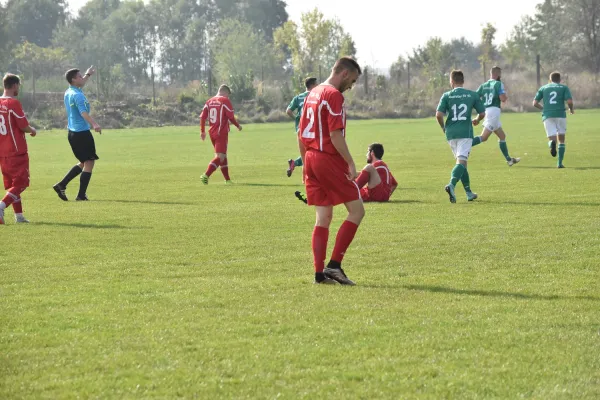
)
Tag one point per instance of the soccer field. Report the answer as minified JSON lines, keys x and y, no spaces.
{"x":160,"y":287}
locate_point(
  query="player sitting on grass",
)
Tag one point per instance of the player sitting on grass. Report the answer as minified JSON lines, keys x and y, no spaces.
{"x":379,"y":181}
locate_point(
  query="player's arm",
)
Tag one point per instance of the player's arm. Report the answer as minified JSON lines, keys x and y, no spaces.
{"x":570,"y":101}
{"x":90,"y":71}
{"x":441,"y":112}
{"x":480,"y":109}
{"x":31,"y":130}
{"x":439,"y":116}
{"x":22,"y":121}
{"x":291,"y":108}
{"x":91,"y":121}
{"x":231,"y":115}
{"x":80,"y":104}
{"x":302,"y":149}
{"x":536,"y":101}
{"x":339,"y":142}
{"x":502,"y":93}
{"x":203,"y":117}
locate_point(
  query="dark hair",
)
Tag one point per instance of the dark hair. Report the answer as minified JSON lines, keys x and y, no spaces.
{"x":496,"y":70}
{"x":555,"y":77}
{"x":348,"y":64}
{"x":377,"y":149}
{"x":457,"y":76}
{"x":310,"y":82}
{"x":11,"y":80}
{"x":224,"y":88}
{"x":71,"y":74}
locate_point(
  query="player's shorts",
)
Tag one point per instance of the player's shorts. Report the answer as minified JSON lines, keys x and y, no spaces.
{"x":492,"y":119}
{"x":555,"y":126}
{"x":377,"y":194}
{"x":326,"y":181}
{"x":15,"y":171}
{"x":83,"y":146}
{"x":461,"y":148}
{"x":220,"y":142}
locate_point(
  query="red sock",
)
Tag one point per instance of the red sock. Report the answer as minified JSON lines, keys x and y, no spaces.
{"x":212,"y":166}
{"x":320,"y":237}
{"x":362,"y":179}
{"x":225,"y":169}
{"x":343,"y":240}
{"x":9,"y":198}
{"x":18,"y":206}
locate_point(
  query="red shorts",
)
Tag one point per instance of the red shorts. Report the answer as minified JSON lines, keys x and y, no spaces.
{"x":220,"y":142}
{"x":15,"y":171}
{"x":377,"y":194}
{"x":326,"y":181}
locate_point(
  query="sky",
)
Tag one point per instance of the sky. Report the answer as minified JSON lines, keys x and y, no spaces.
{"x":383,"y":32}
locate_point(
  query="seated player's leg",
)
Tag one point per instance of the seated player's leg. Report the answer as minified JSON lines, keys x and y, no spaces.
{"x":551,"y":132}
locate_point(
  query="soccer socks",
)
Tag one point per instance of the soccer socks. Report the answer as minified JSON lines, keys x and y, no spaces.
{"x":504,"y":149}
{"x":212,"y":166}
{"x":298,"y":162}
{"x":457,"y":173}
{"x":225,"y":169}
{"x":320,"y":237}
{"x":362,"y":179}
{"x":72,"y":174}
{"x":84,"y":181}
{"x":476,"y":141}
{"x":343,"y":239}
{"x":466,"y":181}
{"x":561,"y":153}
{"x":18,"y":206}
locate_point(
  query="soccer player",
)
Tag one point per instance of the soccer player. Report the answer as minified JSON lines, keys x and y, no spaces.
{"x":296,"y":105}
{"x":219,"y":112}
{"x":493,"y":94}
{"x":379,"y":181}
{"x":79,"y":122}
{"x":459,"y":104}
{"x":329,"y":170}
{"x":554,"y":95}
{"x":14,"y":160}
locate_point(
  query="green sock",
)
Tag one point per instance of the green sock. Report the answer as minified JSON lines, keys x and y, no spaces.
{"x":457,"y":173}
{"x":504,"y":149}
{"x":476,"y":141}
{"x":561,"y":153}
{"x":466,"y":181}
{"x":298,"y":162}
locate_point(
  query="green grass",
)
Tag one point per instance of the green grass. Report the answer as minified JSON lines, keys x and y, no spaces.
{"x":161,"y":287}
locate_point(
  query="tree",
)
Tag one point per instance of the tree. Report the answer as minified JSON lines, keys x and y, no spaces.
{"x":488,"y":50}
{"x":34,"y":20}
{"x":584,"y":18}
{"x":434,"y":60}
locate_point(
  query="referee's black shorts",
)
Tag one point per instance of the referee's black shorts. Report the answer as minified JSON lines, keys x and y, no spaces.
{"x":83,"y":146}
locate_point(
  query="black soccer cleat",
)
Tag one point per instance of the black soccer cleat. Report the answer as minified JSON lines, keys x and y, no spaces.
{"x":553,"y":148}
{"x":560,"y":166}
{"x":84,"y":198}
{"x":301,"y":196}
{"x":60,"y":191}
{"x":338,"y":275}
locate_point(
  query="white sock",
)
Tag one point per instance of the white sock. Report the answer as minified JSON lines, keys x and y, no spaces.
{"x":19,"y":215}
{"x":2,"y":205}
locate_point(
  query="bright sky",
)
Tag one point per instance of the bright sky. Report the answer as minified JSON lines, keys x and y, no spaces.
{"x":382,"y":32}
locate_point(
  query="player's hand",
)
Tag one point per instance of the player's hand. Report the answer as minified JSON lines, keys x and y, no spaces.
{"x":202,"y":135}
{"x":97,"y":128}
{"x":571,"y":112}
{"x":239,"y":128}
{"x":475,"y":122}
{"x":352,"y":174}
{"x":90,"y":71}
{"x":33,"y":131}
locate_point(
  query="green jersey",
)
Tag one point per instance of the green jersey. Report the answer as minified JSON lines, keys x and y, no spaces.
{"x":490,"y":92}
{"x":459,"y":104}
{"x":554,"y":96}
{"x":296,"y":104}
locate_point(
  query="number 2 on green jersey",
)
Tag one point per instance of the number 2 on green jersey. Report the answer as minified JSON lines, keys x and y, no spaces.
{"x":462,"y":111}
{"x":553,"y":97}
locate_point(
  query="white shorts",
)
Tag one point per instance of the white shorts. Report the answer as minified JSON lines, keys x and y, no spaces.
{"x":492,"y":119}
{"x":461,"y":148}
{"x":555,"y":126}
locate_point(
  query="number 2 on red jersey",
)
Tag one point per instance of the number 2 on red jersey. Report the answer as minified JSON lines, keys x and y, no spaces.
{"x":308,"y":132}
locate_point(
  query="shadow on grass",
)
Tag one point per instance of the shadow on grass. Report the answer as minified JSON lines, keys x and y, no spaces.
{"x":87,"y":226}
{"x":493,"y":293}
{"x":536,"y":203}
{"x":269,"y":184}
{"x":554,"y":167}
{"x":402,"y":202}
{"x":166,"y":203}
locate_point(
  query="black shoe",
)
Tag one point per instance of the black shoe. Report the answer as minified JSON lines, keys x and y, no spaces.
{"x":84,"y":198}
{"x":553,"y":148}
{"x":561,"y":166}
{"x":326,"y":281}
{"x":60,"y":191}
{"x":338,"y":275}
{"x":301,"y":196}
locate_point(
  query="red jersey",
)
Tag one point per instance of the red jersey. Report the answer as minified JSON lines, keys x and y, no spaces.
{"x":324,"y":112}
{"x":12,"y":123}
{"x":219,"y":112}
{"x":387,"y":179}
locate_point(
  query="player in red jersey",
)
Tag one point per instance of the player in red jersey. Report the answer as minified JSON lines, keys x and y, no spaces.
{"x":14,"y":160}
{"x":379,"y":181}
{"x":219,"y":112}
{"x":329,"y":170}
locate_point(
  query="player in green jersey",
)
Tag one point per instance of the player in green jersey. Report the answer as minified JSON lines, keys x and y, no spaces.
{"x":459,"y":104}
{"x":493,"y":95}
{"x":294,"y":110}
{"x":554,"y":95}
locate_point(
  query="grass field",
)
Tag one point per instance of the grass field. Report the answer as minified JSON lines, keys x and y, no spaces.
{"x":161,"y":287}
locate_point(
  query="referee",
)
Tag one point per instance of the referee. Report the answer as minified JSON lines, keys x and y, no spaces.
{"x":80,"y":137}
